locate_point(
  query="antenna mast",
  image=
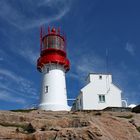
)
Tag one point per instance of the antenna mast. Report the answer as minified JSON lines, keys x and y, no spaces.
{"x":106,"y":60}
{"x":107,"y":77}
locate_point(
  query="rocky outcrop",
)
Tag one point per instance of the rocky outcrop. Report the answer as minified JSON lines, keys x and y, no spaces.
{"x":87,"y":125}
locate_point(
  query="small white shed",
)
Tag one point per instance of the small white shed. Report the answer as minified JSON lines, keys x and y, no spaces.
{"x":98,"y":94}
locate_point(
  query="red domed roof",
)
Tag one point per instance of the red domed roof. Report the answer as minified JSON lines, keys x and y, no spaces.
{"x":53,"y":30}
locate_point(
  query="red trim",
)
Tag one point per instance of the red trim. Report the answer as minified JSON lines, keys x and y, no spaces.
{"x":52,"y":50}
{"x":53,"y":58}
{"x":52,"y":55}
{"x":53,"y":34}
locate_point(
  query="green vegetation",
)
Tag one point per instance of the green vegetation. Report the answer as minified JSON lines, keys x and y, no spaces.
{"x":5,"y":124}
{"x":126,"y":116}
{"x":23,"y":110}
{"x":28,"y":128}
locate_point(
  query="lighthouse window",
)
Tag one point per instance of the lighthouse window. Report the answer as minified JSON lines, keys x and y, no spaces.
{"x":57,"y":42}
{"x":53,"y":42}
{"x":101,"y":98}
{"x":45,"y":43}
{"x":46,"y":89}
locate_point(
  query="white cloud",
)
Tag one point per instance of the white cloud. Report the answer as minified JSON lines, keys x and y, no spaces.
{"x":74,"y":75}
{"x":16,"y":85}
{"x":130,"y":48}
{"x":87,"y":63}
{"x":29,"y":54}
{"x":8,"y":73}
{"x":6,"y":96}
{"x":91,"y":63}
{"x":33,"y":13}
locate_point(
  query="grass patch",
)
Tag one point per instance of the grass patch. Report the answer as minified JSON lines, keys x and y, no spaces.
{"x":23,"y":110}
{"x":11,"y":125}
{"x":28,"y":128}
{"x":126,"y":116}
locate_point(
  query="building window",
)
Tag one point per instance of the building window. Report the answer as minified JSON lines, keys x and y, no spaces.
{"x":46,"y":89}
{"x":101,"y":98}
{"x":100,"y":77}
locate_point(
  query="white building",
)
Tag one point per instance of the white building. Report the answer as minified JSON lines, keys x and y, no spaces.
{"x":98,"y":94}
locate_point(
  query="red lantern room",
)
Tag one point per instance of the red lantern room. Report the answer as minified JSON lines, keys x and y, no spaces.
{"x":52,"y":49}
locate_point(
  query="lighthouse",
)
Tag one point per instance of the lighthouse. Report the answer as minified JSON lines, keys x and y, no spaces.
{"x":53,"y":65}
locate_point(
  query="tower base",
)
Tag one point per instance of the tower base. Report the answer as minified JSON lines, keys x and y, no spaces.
{"x":54,"y":107}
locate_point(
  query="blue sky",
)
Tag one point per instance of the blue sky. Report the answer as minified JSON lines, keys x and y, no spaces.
{"x":91,"y":27}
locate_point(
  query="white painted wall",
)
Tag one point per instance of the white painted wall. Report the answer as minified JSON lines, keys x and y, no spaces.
{"x":56,"y":97}
{"x":95,"y":87}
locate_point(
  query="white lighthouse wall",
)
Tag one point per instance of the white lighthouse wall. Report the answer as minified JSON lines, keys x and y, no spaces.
{"x":53,"y":96}
{"x":99,"y":84}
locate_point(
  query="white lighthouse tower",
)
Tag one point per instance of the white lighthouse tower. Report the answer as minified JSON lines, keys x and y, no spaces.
{"x":53,"y":64}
